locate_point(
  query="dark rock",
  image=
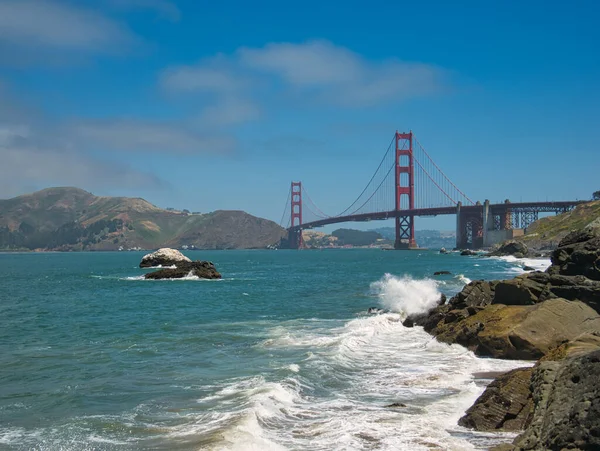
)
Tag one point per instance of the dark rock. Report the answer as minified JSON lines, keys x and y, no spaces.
{"x":443,"y":250}
{"x":528,"y":268}
{"x":441,"y":273}
{"x":395,"y":405}
{"x":578,"y":254}
{"x":566,"y":398}
{"x":409,"y":322}
{"x":201,"y":269}
{"x":511,"y":247}
{"x":476,"y":293}
{"x":374,"y":311}
{"x":505,"y":405}
{"x":521,"y":290}
{"x":468,"y":252}
{"x":429,"y":320}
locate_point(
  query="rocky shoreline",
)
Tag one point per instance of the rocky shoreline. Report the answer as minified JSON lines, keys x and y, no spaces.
{"x":552,"y":317}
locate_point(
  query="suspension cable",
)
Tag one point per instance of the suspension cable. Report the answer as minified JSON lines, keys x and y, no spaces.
{"x":442,"y":172}
{"x":373,"y":177}
{"x":289,"y":196}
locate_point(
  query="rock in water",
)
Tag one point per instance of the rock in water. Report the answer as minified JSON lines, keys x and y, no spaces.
{"x":511,"y":247}
{"x":201,"y":269}
{"x":163,"y":257}
{"x":441,"y":273}
{"x":506,"y":404}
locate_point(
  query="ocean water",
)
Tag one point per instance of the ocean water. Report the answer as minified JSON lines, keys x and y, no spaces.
{"x":281,"y":354}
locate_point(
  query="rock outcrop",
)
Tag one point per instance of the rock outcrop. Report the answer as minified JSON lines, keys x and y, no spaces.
{"x":512,"y":247}
{"x":540,"y":314}
{"x":517,"y":331}
{"x":506,"y":404}
{"x":578,"y":254}
{"x":163,"y":257}
{"x":565,"y":396}
{"x":201,"y":269}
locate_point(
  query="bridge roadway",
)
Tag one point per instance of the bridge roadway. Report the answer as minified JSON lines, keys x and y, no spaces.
{"x":534,"y":206}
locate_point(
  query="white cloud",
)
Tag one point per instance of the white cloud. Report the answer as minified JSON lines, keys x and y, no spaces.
{"x":312,"y":63}
{"x":229,"y":112}
{"x":212,"y":76}
{"x":27,"y":166}
{"x":315,"y":71}
{"x":54,"y":25}
{"x":146,"y":136}
{"x":164,"y":8}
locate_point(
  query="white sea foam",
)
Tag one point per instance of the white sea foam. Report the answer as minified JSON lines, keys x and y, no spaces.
{"x":539,"y":264}
{"x":368,"y":363}
{"x":406,"y":295}
{"x":462,"y":279}
{"x":161,"y":267}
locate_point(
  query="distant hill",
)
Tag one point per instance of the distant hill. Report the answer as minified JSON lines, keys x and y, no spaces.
{"x":431,"y":239}
{"x":73,"y":219}
{"x":355,"y":237}
{"x":546,"y":233}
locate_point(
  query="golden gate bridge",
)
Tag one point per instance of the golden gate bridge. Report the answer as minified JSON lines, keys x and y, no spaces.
{"x":407,"y":184}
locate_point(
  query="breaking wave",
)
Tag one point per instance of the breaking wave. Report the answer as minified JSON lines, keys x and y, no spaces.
{"x":406,"y":295}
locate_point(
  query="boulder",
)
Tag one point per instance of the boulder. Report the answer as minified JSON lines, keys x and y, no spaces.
{"x":505,"y":405}
{"x":511,"y":247}
{"x":537,"y":286}
{"x":163,"y":257}
{"x":566,"y":397}
{"x":443,"y":250}
{"x":578,"y":254}
{"x":478,"y":293}
{"x":468,"y":252}
{"x":516,"y":331}
{"x":201,"y":269}
{"x":441,"y":273}
{"x":522,"y":290}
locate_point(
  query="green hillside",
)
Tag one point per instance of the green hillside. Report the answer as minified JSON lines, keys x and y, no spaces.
{"x":547,"y":232}
{"x":73,"y":219}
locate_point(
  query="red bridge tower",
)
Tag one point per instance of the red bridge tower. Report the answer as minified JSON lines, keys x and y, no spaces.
{"x":405,"y":187}
{"x":295,"y":234}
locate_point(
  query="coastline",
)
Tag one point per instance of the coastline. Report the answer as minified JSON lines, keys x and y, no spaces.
{"x":547,"y":317}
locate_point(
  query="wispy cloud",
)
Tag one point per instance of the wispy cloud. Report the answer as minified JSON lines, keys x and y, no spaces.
{"x":164,"y":8}
{"x":27,"y":165}
{"x":206,"y":77}
{"x":51,"y":24}
{"x":129,"y":135}
{"x":229,"y":112}
{"x":314,"y":71}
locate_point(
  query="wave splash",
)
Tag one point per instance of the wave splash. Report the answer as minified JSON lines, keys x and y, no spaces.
{"x":406,"y":295}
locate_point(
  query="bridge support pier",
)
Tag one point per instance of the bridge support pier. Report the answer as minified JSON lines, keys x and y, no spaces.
{"x":470,"y":226}
{"x":405,"y":233}
{"x":295,"y":238}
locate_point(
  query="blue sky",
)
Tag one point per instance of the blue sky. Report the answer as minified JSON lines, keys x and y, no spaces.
{"x":219,"y":105}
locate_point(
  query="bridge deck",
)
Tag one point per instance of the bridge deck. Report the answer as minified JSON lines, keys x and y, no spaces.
{"x":363,"y":217}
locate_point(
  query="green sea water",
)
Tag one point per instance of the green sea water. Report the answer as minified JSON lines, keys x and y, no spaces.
{"x":279,"y":354}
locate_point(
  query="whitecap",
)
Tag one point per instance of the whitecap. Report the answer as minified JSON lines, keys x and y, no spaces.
{"x":406,"y":295}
